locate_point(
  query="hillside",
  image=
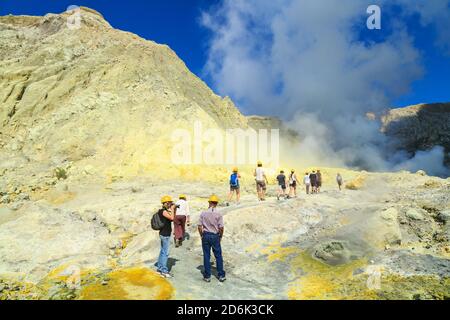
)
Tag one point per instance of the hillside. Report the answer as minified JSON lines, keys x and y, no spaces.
{"x":420,"y":127}
{"x":98,"y":102}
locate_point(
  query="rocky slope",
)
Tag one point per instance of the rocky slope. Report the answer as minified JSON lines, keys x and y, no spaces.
{"x":420,"y":127}
{"x":95,"y":101}
{"x":387,"y":238}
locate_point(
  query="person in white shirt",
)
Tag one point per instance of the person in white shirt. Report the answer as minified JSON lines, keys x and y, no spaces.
{"x":307,"y":182}
{"x":261,"y":181}
{"x":181,"y":218}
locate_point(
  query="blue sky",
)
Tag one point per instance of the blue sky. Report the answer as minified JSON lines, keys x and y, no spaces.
{"x":177,"y":23}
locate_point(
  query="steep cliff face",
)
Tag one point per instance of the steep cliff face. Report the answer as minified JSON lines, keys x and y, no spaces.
{"x":95,"y":100}
{"x":420,"y":127}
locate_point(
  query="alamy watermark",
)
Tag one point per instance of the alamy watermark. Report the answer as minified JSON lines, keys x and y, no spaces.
{"x":374,"y":279}
{"x":374,"y":20}
{"x":214,"y":146}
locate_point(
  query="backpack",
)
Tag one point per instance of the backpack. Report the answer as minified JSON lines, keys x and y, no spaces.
{"x":234,"y":182}
{"x":157,"y":223}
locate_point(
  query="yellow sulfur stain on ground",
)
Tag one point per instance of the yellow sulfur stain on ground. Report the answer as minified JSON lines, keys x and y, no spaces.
{"x":63,"y":273}
{"x":256,"y":247}
{"x":357,"y":183}
{"x":277,"y":253}
{"x":344,"y":220}
{"x":322,"y":281}
{"x":130,"y":284}
{"x":316,"y":280}
{"x":56,"y":197}
{"x":313,"y":287}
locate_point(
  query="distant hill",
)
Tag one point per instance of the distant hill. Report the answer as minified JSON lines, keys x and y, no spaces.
{"x":420,"y":127}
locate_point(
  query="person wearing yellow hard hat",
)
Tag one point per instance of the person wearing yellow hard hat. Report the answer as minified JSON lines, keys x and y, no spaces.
{"x":211,"y":228}
{"x":234,"y":186}
{"x":181,"y":218}
{"x":162,"y":221}
{"x":261,"y":181}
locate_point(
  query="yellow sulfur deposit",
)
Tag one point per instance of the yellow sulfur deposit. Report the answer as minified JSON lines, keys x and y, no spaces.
{"x":129,"y":284}
{"x":357,"y":183}
{"x":316,"y":280}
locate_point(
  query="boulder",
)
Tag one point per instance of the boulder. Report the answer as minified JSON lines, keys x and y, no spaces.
{"x":141,"y":249}
{"x":332,"y":253}
{"x":42,"y":239}
{"x":390,"y":214}
{"x":432,"y":184}
{"x":444,"y":216}
{"x":383,"y":229}
{"x":415,"y":214}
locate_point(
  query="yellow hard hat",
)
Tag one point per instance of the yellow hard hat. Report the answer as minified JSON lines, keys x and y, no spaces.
{"x":182,"y":196}
{"x":292,"y":170}
{"x":235,"y":169}
{"x":166,"y":199}
{"x":213,"y":198}
{"x":259,"y":163}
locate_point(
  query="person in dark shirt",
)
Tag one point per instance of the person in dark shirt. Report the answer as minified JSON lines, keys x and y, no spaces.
{"x":313,"y":178}
{"x":319,"y":180}
{"x":281,"y":185}
{"x":167,"y":215}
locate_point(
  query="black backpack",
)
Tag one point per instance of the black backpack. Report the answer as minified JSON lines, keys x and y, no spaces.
{"x":157,"y":222}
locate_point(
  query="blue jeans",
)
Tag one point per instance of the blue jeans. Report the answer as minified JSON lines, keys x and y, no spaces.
{"x":211,"y":240}
{"x":163,"y":254}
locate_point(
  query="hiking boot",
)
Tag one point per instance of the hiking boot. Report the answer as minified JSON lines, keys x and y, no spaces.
{"x":222,"y":279}
{"x":207,"y":280}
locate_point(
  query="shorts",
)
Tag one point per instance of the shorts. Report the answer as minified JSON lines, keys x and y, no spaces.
{"x":261,"y":185}
{"x":293,"y":184}
{"x":235,"y":188}
{"x":283,"y":187}
{"x":319,"y":184}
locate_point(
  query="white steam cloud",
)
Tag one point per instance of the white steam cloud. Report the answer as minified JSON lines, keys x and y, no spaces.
{"x":306,"y":62}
